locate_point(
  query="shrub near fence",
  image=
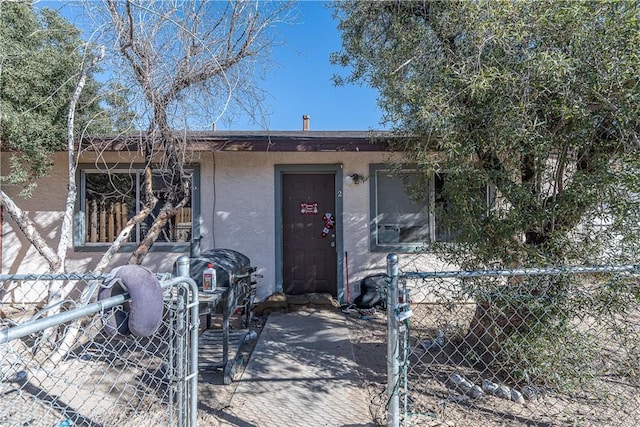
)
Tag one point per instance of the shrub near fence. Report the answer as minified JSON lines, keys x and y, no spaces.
{"x":58,"y":366}
{"x":546,"y":347}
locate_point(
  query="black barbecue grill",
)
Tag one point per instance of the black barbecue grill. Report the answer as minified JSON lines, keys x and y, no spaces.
{"x":234,"y":293}
{"x":231,"y":267}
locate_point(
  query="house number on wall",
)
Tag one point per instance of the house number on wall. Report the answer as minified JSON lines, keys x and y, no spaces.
{"x":309,"y":208}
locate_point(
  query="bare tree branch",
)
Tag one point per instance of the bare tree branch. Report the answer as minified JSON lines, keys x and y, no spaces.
{"x":28,"y":228}
{"x":172,"y":48}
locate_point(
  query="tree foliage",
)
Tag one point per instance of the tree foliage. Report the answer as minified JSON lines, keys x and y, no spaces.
{"x":40,"y":60}
{"x":539,"y":102}
{"x":539,"y":99}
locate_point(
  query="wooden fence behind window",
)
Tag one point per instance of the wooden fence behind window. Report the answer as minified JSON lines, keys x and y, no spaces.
{"x":105,"y":220}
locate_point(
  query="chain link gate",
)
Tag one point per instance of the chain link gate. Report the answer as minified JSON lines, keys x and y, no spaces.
{"x":58,"y":366}
{"x":543,"y":347}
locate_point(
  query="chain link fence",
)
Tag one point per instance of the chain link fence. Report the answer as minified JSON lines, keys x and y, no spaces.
{"x":535,"y":347}
{"x":60,"y":365}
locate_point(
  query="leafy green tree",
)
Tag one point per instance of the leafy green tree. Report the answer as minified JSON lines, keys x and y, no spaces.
{"x":45,"y":81}
{"x":40,"y":59}
{"x":540,"y":100}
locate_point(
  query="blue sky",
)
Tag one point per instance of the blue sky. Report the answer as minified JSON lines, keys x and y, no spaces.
{"x":301,"y":81}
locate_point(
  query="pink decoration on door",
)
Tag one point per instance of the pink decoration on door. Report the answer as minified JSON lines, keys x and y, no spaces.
{"x":309,"y":208}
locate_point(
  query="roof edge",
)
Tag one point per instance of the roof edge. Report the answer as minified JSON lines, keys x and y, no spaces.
{"x":277,"y":141}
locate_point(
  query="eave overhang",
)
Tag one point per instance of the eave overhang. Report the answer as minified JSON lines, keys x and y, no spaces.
{"x":260,"y":141}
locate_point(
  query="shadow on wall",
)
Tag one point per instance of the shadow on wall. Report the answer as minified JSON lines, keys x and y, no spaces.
{"x":18,"y":255}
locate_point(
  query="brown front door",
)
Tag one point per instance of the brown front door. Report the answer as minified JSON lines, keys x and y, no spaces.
{"x":308,"y":237}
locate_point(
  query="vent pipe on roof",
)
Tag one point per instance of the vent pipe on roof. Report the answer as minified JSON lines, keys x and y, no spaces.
{"x":305,"y":122}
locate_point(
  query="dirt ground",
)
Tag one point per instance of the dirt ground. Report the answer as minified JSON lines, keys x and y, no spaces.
{"x":434,"y":402}
{"x":369,"y":337}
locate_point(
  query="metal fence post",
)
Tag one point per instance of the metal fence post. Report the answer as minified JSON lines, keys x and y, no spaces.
{"x":393,"y":370}
{"x":183,"y":265}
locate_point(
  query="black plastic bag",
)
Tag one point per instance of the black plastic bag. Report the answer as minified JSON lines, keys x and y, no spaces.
{"x":373,"y":291}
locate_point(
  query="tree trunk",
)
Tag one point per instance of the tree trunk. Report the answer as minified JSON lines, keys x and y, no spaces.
{"x":166,"y":213}
{"x":58,"y":291}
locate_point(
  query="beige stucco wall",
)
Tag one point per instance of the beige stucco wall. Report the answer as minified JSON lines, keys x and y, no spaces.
{"x":237,"y":212}
{"x":245,"y":208}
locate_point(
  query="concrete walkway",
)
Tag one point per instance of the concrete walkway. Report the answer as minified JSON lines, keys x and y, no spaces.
{"x":301,"y":373}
